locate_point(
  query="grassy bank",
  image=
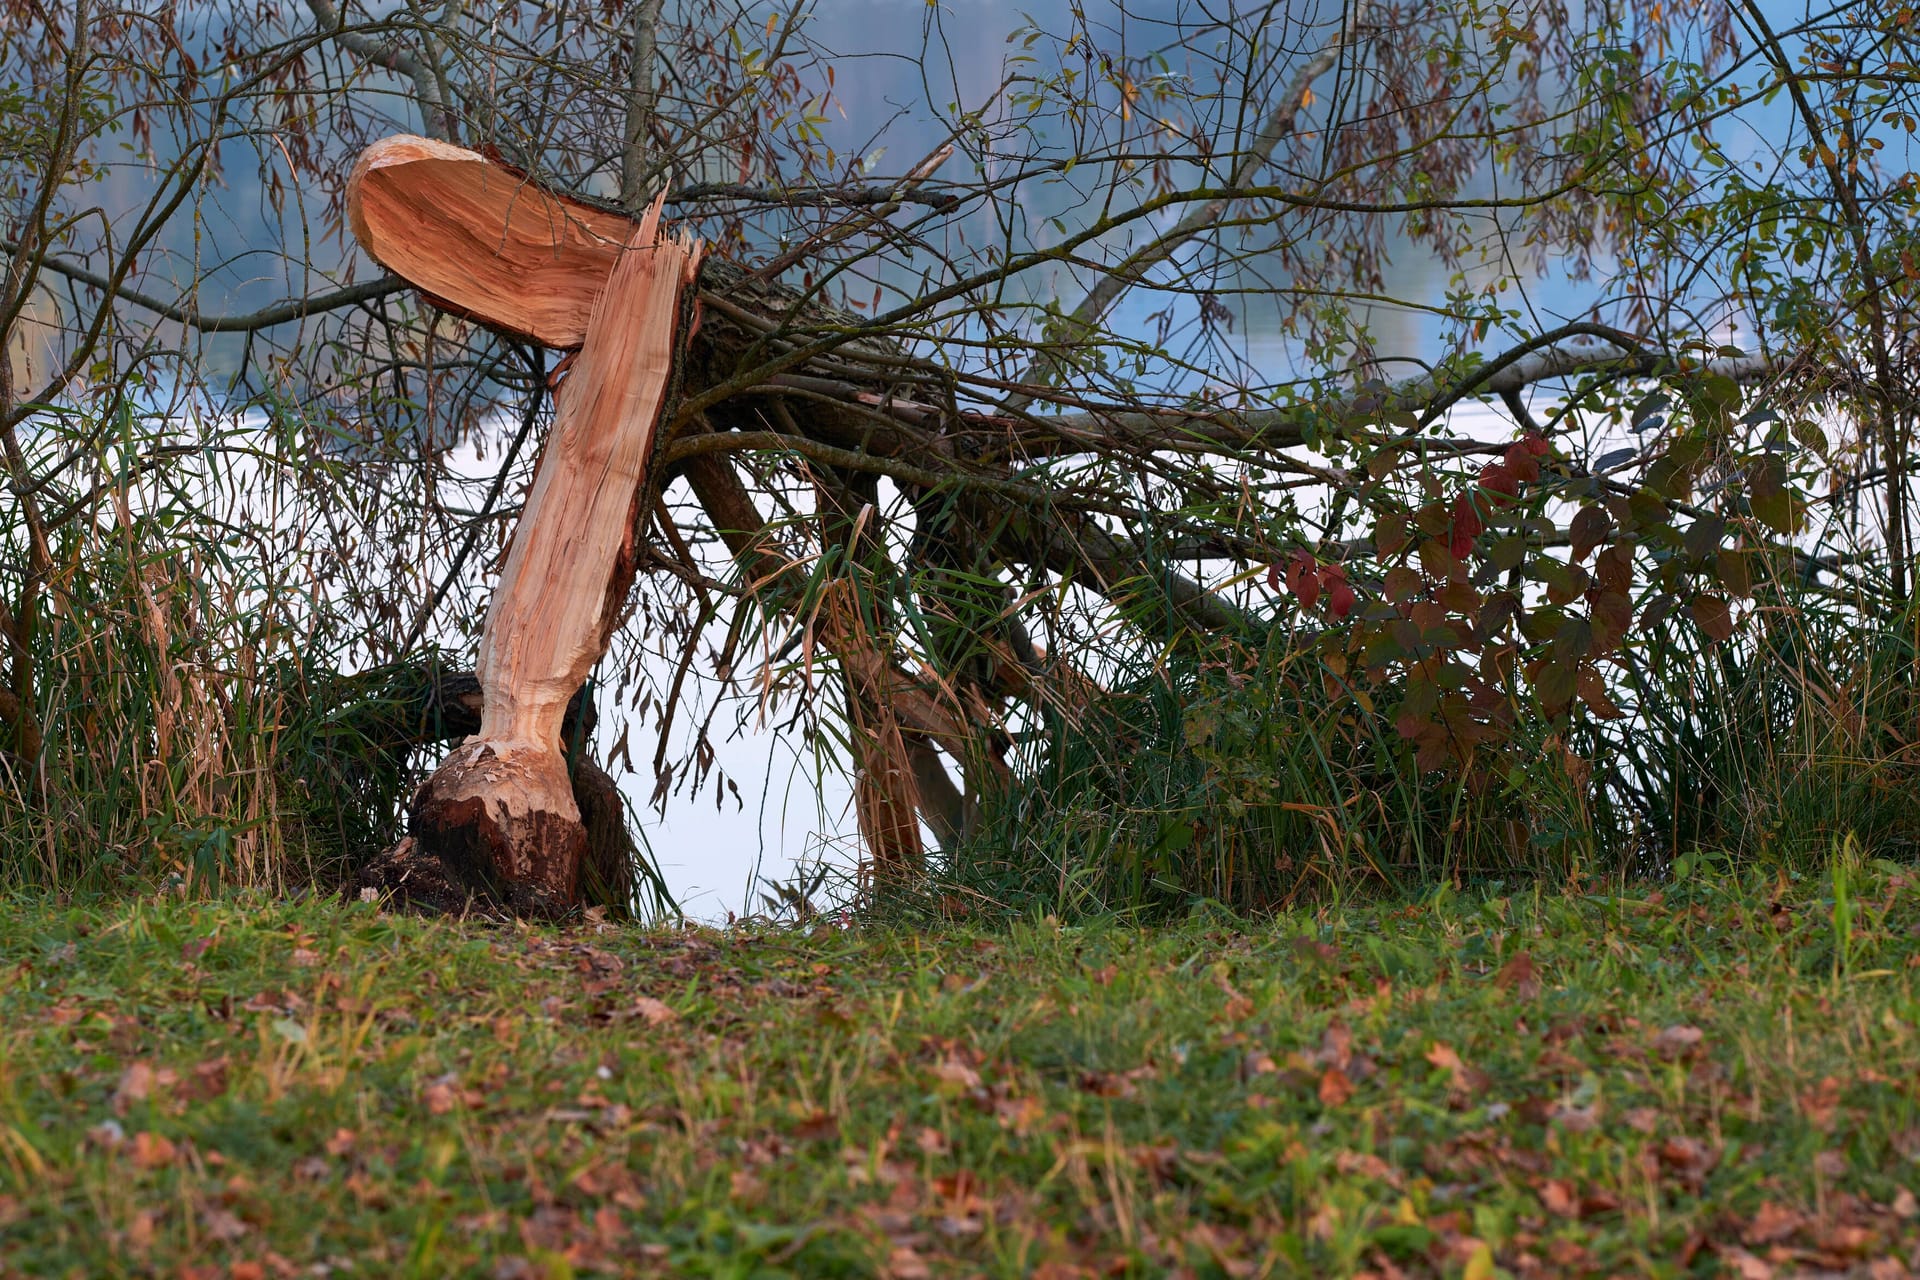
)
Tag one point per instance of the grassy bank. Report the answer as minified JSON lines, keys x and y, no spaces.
{"x":1720,"y":1079}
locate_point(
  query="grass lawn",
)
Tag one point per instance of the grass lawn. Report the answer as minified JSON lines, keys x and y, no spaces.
{"x":1720,"y":1079}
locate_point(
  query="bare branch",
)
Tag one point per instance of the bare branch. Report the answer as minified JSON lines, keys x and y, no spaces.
{"x":1279,"y":125}
{"x":391,"y":55}
{"x":190,"y":314}
{"x":641,"y":95}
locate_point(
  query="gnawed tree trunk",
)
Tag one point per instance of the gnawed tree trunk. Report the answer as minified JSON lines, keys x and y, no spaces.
{"x":376,"y":719}
{"x":500,"y":811}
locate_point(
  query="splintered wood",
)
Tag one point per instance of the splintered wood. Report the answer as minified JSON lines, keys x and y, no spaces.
{"x":481,"y":240}
{"x":500,"y":809}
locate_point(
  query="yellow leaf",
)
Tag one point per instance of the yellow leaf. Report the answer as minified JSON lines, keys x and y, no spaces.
{"x":1306,"y":97}
{"x":1479,"y":1263}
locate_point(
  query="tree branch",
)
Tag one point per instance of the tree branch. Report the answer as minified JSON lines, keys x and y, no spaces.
{"x":641,"y":95}
{"x":1279,"y":125}
{"x":392,"y":56}
{"x":190,"y":315}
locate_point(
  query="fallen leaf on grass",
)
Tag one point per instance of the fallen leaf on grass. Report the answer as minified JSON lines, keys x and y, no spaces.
{"x":1772,"y":1224}
{"x":1335,"y":1088}
{"x":1678,"y":1041}
{"x":655,"y":1012}
{"x":136,"y":1082}
{"x":1821,"y":1102}
{"x":151,"y":1151}
{"x":1018,"y":1114}
{"x":904,"y":1264}
{"x":818,"y":1125}
{"x":1442,"y":1055}
{"x":1642,"y":1119}
{"x":222,"y":1224}
{"x":955,"y":1072}
{"x":206,"y":1080}
{"x":1519,"y":976}
{"x":140,"y":1227}
{"x":1688,"y":1158}
{"x":1105,"y":1084}
{"x":1558,"y":1197}
{"x":439,"y":1097}
{"x":1336,"y":1046}
{"x":1238,"y":1005}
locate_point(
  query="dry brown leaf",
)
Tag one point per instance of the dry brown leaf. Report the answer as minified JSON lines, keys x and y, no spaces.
{"x":136,"y":1082}
{"x":1336,"y":1046}
{"x":904,"y":1264}
{"x":1772,"y":1224}
{"x":1559,"y":1199}
{"x":1642,"y":1119}
{"x":151,"y":1151}
{"x":955,"y":1072}
{"x":1678,"y":1041}
{"x":1821,"y":1103}
{"x":817,"y":1125}
{"x":656,"y":1012}
{"x":1335,"y":1088}
{"x":1238,"y":1005}
{"x":1442,"y":1055}
{"x":222,"y":1224}
{"x":1018,"y":1114}
{"x":1105,"y":1084}
{"x":1519,"y":976}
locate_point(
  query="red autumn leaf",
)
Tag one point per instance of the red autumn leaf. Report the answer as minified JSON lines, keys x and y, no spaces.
{"x":1340,"y":600}
{"x":1467,"y":525}
{"x":1499,"y":483}
{"x":1520,"y":460}
{"x":1303,"y":579}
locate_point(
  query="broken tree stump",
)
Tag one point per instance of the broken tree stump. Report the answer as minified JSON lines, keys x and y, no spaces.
{"x":500,"y":812}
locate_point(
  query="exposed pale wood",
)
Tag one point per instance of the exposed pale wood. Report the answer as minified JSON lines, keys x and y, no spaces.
{"x":500,"y":809}
{"x":482,"y":240}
